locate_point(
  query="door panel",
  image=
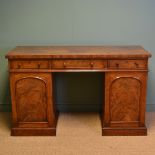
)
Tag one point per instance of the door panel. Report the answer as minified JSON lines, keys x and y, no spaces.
{"x":32,"y":100}
{"x":125,"y":99}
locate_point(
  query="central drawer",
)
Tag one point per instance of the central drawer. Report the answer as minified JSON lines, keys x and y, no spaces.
{"x":79,"y":64}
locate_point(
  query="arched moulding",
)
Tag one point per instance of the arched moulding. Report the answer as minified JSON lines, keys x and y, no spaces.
{"x":125,"y":93}
{"x":31,"y":99}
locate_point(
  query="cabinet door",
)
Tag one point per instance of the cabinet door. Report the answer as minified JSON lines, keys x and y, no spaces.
{"x":125,"y":99}
{"x":32,"y":104}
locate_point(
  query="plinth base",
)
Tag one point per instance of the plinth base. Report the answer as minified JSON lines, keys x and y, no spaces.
{"x":139,"y":131}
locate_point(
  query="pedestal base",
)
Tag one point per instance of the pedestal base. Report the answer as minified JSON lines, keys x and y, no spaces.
{"x":140,"y":131}
{"x":33,"y":132}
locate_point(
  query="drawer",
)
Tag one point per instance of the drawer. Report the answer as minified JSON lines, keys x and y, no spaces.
{"x":79,"y":64}
{"x":26,"y":64}
{"x":128,"y":64}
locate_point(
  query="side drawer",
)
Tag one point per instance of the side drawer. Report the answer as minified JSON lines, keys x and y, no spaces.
{"x":79,"y":64}
{"x":127,"y":64}
{"x":29,"y":64}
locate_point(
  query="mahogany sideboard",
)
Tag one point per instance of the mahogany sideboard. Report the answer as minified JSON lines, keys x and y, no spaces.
{"x":125,"y":70}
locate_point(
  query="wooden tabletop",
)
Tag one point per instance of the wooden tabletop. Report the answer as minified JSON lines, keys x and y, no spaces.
{"x":104,"y":52}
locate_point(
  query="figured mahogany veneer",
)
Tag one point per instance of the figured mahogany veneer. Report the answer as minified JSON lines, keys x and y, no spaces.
{"x":79,"y":64}
{"x":128,"y":64}
{"x":125,"y":71}
{"x":29,"y":64}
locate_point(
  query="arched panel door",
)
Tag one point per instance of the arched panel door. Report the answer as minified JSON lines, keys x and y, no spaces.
{"x":125,"y":99}
{"x":32,"y":100}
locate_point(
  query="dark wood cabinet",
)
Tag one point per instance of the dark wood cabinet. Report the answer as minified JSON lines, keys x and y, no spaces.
{"x":125,"y":82}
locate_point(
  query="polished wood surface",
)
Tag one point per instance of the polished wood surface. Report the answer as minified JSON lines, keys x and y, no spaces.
{"x":128,"y":64}
{"x":29,"y":64}
{"x":79,"y":64}
{"x":32,"y":92}
{"x":78,"y":52}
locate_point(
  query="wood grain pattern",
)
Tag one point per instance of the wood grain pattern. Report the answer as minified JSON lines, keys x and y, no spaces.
{"x":32,"y":92}
{"x":33,"y":131}
{"x":31,"y":100}
{"x":132,"y":131}
{"x":125,"y":101}
{"x":76,"y":64}
{"x":87,"y":52}
{"x":125,"y":97}
{"x":128,"y":64}
{"x":32,"y":104}
{"x":29,"y":64}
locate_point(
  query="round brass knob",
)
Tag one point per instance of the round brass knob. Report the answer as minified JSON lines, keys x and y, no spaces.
{"x":117,"y":65}
{"x":136,"y":64}
{"x":19,"y":66}
{"x":92,"y":64}
{"x":39,"y":65}
{"x":64,"y":64}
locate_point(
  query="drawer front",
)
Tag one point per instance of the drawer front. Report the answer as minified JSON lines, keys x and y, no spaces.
{"x":79,"y":64}
{"x":128,"y":64}
{"x":26,"y":64}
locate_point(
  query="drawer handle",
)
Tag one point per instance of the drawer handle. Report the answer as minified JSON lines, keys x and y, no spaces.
{"x":19,"y":66}
{"x":137,"y":65}
{"x":117,"y":65}
{"x":64,"y":64}
{"x":39,"y":65}
{"x":92,"y":64}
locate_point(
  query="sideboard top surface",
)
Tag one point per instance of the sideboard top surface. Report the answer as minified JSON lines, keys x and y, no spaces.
{"x":86,"y":52}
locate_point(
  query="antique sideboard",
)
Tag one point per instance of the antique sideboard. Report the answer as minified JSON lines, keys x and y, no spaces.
{"x":125,"y":70}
